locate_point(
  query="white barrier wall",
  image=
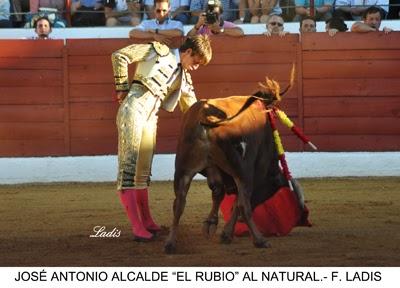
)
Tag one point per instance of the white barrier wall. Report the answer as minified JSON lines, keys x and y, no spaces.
{"x":104,"y":168}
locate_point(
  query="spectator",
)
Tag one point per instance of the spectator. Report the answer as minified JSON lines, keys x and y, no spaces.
{"x":122,"y":12}
{"x":358,"y":7}
{"x":148,"y":9}
{"x":42,"y":28}
{"x":394,"y":9}
{"x":161,"y":29}
{"x":275,"y":26}
{"x":52,"y":9}
{"x":180,"y":10}
{"x":322,"y":9}
{"x":260,"y":10}
{"x":343,"y":9}
{"x":334,"y":25}
{"x":5,"y":21}
{"x":197,"y":7}
{"x":211,"y":22}
{"x":372,"y":19}
{"x":353,"y":9}
{"x":87,"y":13}
{"x":229,"y":8}
{"x":288,"y":9}
{"x":243,"y":12}
{"x":308,"y":24}
{"x":17,"y":12}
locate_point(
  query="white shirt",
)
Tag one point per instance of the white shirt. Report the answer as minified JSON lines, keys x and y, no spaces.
{"x":153,"y":24}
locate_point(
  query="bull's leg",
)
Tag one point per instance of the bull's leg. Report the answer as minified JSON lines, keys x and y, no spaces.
{"x":299,"y":192}
{"x":181,"y":186}
{"x":227,"y":232}
{"x":215,"y":183}
{"x":244,"y":207}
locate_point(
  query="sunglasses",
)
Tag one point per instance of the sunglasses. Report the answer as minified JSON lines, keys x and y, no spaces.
{"x":276,"y":23}
{"x":161,"y":10}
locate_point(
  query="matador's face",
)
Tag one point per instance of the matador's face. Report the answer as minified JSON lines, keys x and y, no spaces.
{"x":190,"y":62}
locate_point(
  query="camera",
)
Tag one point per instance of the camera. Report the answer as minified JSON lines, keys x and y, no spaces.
{"x":211,"y":16}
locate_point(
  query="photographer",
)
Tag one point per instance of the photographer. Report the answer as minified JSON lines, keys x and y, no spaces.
{"x":211,"y":22}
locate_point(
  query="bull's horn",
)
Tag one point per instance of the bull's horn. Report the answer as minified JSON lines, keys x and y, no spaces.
{"x":291,"y":81}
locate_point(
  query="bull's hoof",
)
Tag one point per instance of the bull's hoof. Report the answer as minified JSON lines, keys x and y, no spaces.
{"x":209,"y":228}
{"x":225,"y":238}
{"x":262,"y":243}
{"x":169,"y":248}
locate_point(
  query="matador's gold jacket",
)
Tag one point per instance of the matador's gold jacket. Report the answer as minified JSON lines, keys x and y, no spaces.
{"x":157,"y":69}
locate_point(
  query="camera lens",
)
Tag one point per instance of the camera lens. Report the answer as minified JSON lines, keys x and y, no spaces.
{"x":211,"y":17}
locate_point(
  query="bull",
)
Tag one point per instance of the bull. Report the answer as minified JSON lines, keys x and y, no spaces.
{"x":229,"y":141}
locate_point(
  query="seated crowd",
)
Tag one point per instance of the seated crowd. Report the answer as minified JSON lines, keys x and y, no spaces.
{"x":164,"y":18}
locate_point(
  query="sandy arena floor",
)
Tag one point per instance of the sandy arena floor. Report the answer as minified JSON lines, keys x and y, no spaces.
{"x":356,"y":222}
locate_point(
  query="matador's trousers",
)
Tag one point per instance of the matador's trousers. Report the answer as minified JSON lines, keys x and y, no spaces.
{"x":137,"y":128}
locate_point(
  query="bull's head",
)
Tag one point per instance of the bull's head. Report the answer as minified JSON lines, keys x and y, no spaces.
{"x":270,"y":90}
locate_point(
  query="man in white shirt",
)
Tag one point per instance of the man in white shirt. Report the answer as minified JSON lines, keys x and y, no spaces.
{"x":161,"y":29}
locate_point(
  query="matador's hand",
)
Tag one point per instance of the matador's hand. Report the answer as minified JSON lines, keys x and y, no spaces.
{"x":121,"y":96}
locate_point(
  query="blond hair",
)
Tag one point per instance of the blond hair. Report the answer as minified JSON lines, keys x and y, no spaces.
{"x":200,"y":45}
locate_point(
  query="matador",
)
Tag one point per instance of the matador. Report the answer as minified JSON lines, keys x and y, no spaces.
{"x":162,"y":81}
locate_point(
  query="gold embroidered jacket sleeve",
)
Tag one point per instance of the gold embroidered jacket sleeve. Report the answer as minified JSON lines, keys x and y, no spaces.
{"x":125,"y":56}
{"x":188,"y":96}
{"x":157,"y":69}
